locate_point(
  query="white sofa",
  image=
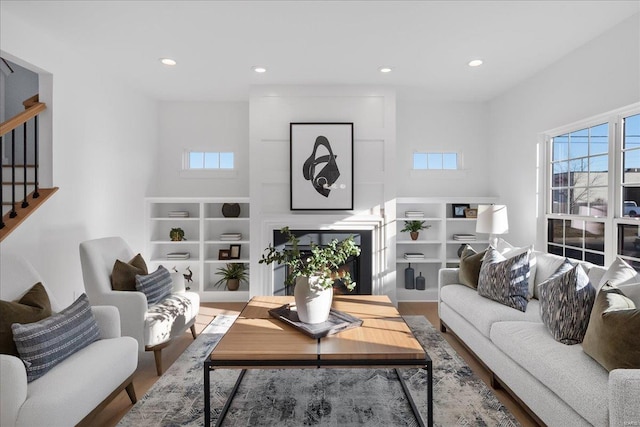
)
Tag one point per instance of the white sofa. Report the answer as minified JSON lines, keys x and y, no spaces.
{"x":152,"y":326}
{"x":74,"y":390}
{"x":559,"y":383}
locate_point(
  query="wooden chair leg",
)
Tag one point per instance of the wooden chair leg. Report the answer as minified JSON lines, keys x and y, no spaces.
{"x":193,"y":331}
{"x":131,"y":392}
{"x":157,"y":354}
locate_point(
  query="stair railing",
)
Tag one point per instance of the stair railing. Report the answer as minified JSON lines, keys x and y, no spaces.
{"x":30,"y":114}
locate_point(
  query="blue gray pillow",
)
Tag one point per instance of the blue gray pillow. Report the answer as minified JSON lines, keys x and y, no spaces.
{"x":44,"y":344}
{"x":156,"y":286}
{"x":505,"y":280}
{"x":566,"y":300}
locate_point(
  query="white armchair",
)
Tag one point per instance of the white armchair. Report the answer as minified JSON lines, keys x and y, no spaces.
{"x":76,"y":389}
{"x":153,"y":327}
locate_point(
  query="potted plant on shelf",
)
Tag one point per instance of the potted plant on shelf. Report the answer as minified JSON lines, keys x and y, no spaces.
{"x":232,"y":275}
{"x":314,"y":274}
{"x":177,"y":234}
{"x":414,"y":227}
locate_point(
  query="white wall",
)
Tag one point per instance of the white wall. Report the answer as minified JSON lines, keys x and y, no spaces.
{"x":600,"y":76}
{"x":104,"y":145}
{"x":440,"y":126}
{"x":373,"y":112}
{"x":202,"y":126}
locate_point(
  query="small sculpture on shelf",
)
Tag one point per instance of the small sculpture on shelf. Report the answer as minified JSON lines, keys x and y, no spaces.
{"x":187,"y":277}
{"x":177,"y":234}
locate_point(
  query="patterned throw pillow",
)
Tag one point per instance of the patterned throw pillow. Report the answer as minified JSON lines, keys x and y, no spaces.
{"x":470,"y":263}
{"x":123,"y":276}
{"x":44,"y":344}
{"x":566,"y":299}
{"x":33,"y":306}
{"x":612,"y":337}
{"x":505,"y":280}
{"x":156,"y":286}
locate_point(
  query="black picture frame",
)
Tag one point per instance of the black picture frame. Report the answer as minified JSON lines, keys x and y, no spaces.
{"x":224,"y":254}
{"x":234,"y":252}
{"x":321,"y":166}
{"x":457,"y":209}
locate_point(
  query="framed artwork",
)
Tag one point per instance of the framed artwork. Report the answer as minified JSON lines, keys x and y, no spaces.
{"x":234,"y":252}
{"x":471,"y":213}
{"x":224,"y":254}
{"x":321,"y":158}
{"x":457,"y":210}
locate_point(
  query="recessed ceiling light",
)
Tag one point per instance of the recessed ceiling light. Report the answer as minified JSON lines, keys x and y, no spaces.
{"x":168,"y":61}
{"x":259,"y":69}
{"x":385,"y":69}
{"x":475,"y":63}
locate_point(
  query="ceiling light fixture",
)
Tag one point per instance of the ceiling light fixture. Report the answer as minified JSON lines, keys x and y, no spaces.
{"x":168,"y":61}
{"x":385,"y":69}
{"x":259,"y":69}
{"x":475,"y":63}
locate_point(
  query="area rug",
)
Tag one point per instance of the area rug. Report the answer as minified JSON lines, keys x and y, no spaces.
{"x":320,"y":397}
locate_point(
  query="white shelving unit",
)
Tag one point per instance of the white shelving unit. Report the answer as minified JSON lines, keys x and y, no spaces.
{"x":203,"y":228}
{"x":436,"y":243}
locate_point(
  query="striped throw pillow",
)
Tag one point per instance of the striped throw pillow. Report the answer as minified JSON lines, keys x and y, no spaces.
{"x":566,"y":300}
{"x":44,"y":344}
{"x":156,"y":286}
{"x":505,"y":280}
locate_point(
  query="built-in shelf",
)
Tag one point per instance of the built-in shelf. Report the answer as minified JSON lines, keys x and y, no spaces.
{"x":203,"y":227}
{"x":436,"y":242}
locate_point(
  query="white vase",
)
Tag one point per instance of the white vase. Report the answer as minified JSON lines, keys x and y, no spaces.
{"x":313,"y":302}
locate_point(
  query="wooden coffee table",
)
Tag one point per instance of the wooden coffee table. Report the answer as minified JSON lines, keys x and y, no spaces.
{"x":258,"y":341}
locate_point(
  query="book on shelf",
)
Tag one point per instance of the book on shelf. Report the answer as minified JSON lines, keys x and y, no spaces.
{"x":413,"y":255}
{"x":178,"y":255}
{"x":464,"y":237}
{"x":231,"y":236}
{"x":414,"y":214}
{"x":178,"y":214}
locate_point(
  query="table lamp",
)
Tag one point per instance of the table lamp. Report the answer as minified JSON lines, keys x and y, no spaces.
{"x":492,"y":220}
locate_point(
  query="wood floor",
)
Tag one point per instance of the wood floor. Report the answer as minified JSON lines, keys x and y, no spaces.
{"x":145,"y":375}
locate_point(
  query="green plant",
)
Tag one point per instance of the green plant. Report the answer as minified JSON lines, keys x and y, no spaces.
{"x":324,"y":261}
{"x":235,"y":270}
{"x":176,"y":234}
{"x":413,"y":226}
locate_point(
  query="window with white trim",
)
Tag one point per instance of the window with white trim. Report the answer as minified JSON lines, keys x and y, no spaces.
{"x":593,"y":188}
{"x":203,"y":160}
{"x":435,"y":161}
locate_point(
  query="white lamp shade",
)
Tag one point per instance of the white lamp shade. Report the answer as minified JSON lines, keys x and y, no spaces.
{"x":492,"y":219}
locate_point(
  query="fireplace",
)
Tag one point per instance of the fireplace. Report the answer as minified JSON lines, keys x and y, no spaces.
{"x":359,"y":267}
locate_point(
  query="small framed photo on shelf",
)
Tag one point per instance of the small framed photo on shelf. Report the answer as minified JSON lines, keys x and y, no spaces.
{"x":457,"y":209}
{"x":234,"y":252}
{"x":471,"y":213}
{"x":224,"y":254}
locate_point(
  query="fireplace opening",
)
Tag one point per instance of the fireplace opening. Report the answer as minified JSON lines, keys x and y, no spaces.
{"x":359,"y":267}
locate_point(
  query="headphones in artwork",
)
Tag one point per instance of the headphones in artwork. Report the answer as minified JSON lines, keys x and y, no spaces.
{"x":323,"y":181}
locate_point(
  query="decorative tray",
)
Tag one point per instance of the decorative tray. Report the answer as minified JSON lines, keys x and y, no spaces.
{"x":338,"y":321}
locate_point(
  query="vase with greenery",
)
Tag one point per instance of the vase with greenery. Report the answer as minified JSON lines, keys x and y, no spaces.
{"x":313,"y":272}
{"x":232,"y":275}
{"x":414,"y":227}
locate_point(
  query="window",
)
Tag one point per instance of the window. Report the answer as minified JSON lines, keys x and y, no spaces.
{"x":579,"y":186}
{"x":631,"y":166}
{"x":209,"y":160}
{"x":435,"y":161}
{"x":593,"y":189}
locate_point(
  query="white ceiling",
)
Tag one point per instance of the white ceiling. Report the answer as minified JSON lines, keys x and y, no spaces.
{"x":323,"y":42}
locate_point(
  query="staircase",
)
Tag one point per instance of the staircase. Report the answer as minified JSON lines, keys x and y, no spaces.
{"x":20,"y":192}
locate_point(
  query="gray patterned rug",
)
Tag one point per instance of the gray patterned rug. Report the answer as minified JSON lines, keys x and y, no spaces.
{"x":320,"y":397}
